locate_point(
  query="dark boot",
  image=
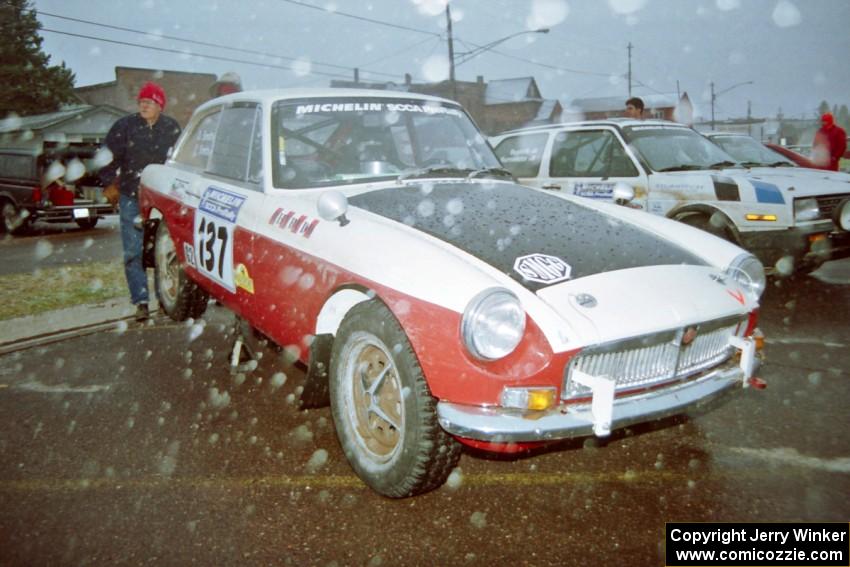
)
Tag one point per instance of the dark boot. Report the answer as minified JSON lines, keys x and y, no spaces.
{"x":142,"y":314}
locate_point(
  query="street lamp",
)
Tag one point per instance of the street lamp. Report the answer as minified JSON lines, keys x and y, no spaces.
{"x":482,"y":48}
{"x":726,"y":90}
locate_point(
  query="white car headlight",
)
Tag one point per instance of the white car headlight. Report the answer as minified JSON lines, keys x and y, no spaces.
{"x":493,"y":324}
{"x":806,"y":209}
{"x":749,"y":273}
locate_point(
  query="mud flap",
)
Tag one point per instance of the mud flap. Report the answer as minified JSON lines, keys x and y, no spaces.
{"x":749,"y":362}
{"x":148,"y":238}
{"x":247,"y":348}
{"x":602,"y":406}
{"x":316,"y":392}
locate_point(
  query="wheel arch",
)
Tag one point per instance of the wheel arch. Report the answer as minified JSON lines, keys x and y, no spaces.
{"x":337,"y":306}
{"x":680,"y":213}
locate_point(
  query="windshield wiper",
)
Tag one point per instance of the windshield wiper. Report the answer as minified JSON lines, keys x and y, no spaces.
{"x":682,"y":167}
{"x":436,"y":170}
{"x":782,"y":164}
{"x":722,"y":164}
{"x":493,"y":171}
{"x":755,"y":164}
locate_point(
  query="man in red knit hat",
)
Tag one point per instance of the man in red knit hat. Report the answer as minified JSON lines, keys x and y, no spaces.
{"x":137,"y":140}
{"x":830,"y":143}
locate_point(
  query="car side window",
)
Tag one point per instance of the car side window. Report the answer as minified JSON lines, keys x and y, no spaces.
{"x":233,"y":141}
{"x":198,"y":147}
{"x":521,"y":155}
{"x":255,"y":161}
{"x":17,"y":166}
{"x":595,"y":153}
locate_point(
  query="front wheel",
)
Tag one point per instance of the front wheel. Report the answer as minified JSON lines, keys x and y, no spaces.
{"x":179,"y":297}
{"x":715,"y":224}
{"x":86,"y":224}
{"x":12,"y":219}
{"x":384,"y":413}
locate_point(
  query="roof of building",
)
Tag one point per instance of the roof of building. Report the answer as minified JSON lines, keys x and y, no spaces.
{"x":502,"y":91}
{"x":609,"y":103}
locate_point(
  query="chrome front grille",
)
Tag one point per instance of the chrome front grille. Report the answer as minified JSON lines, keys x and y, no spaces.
{"x":654,"y":359}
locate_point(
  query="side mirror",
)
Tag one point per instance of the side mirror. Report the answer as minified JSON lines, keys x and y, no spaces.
{"x":623,"y":193}
{"x":332,"y":206}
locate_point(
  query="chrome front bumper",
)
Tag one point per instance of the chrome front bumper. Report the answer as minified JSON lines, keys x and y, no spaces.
{"x":600,"y":417}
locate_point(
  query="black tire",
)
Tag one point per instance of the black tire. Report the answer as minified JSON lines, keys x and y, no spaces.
{"x":384,"y":413}
{"x":12,"y":219}
{"x":86,"y":224}
{"x":703,"y":221}
{"x":179,"y":297}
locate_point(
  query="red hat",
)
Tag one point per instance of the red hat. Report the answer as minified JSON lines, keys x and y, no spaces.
{"x":153,"y":92}
{"x":827,"y":118}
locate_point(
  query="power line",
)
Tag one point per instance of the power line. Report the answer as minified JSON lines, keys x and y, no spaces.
{"x":201,"y":43}
{"x":190,"y":53}
{"x":469,"y":45}
{"x":361,"y":18}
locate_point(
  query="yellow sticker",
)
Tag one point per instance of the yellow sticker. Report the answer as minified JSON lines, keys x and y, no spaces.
{"x":242,"y":278}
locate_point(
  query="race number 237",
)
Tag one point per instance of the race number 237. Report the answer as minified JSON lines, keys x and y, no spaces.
{"x":214,"y":249}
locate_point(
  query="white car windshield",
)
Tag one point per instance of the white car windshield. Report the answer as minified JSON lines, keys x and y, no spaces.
{"x":670,"y":148}
{"x":356,"y":140}
{"x":751,"y":152}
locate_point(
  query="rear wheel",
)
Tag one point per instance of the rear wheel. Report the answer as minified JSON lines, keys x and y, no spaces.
{"x":179,"y":297}
{"x":86,"y":224}
{"x":384,"y":413}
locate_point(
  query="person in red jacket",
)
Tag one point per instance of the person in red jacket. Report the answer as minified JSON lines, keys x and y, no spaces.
{"x":830,"y":143}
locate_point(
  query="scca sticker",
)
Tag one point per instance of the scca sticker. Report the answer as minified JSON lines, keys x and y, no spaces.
{"x":542,"y":268}
{"x":189,"y":254}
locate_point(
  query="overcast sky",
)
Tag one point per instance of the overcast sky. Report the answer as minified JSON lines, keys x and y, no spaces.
{"x":794,"y":51}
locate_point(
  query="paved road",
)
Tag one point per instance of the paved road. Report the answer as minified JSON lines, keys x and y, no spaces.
{"x":60,"y":244}
{"x":137,"y":446}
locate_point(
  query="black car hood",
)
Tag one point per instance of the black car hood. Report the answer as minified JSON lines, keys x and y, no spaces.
{"x":501,"y":222}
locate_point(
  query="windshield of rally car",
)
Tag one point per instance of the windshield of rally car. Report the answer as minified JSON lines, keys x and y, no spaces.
{"x":344,"y":140}
{"x":667,"y":148}
{"x":750,"y":151}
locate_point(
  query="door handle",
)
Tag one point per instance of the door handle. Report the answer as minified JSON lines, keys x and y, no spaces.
{"x":552,"y":187}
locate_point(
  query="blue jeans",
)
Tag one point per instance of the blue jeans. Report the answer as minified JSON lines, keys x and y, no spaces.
{"x":131,"y":238}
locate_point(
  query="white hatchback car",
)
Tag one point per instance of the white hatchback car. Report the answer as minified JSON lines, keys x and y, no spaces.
{"x":791,"y":218}
{"x":374,"y":236}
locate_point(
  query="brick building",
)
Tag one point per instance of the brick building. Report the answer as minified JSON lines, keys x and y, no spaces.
{"x":185,"y":91}
{"x":663,"y":106}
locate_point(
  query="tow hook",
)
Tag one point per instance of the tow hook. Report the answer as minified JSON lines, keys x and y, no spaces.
{"x":757,"y":383}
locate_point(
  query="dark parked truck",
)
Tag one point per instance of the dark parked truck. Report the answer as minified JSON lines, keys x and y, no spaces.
{"x":55,"y":183}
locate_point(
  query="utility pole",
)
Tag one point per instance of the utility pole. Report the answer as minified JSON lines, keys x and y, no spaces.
{"x":630,"y":69}
{"x":451,"y":51}
{"x":750,"y":117}
{"x":712,"y":105}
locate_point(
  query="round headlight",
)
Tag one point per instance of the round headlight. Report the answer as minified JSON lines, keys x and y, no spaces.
{"x":841,"y":215}
{"x":493,"y":324}
{"x":749,"y":273}
{"x":806,"y":209}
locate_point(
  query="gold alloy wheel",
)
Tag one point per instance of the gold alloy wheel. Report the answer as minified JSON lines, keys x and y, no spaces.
{"x":376,"y":410}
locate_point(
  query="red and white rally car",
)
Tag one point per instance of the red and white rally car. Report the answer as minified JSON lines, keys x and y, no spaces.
{"x":437,"y":302}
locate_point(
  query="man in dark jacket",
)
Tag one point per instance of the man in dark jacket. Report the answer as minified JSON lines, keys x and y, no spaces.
{"x":136,"y":141}
{"x":830,"y":143}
